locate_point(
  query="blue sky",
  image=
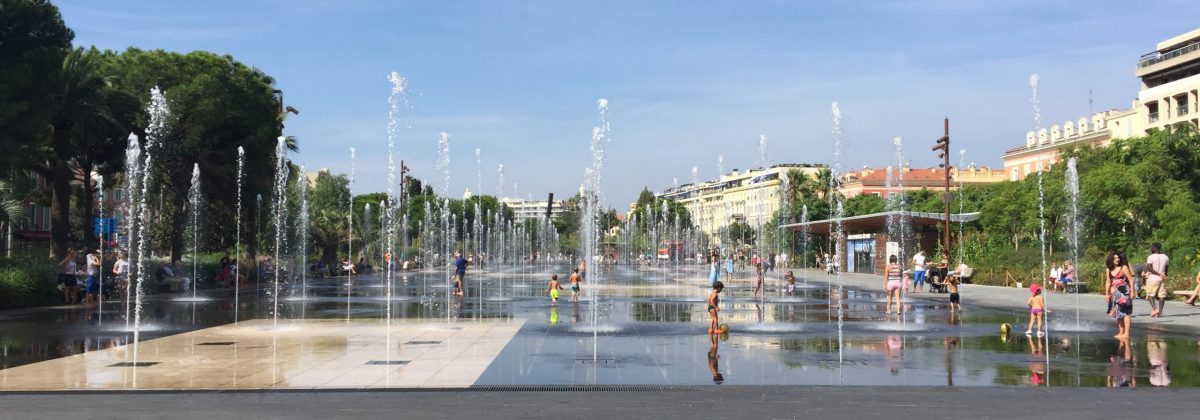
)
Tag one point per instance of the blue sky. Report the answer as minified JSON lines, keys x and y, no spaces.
{"x":686,"y":80}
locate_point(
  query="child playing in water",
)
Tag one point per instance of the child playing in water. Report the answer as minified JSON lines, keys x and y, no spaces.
{"x":1037,"y":309}
{"x":575,"y":280}
{"x":952,"y":286}
{"x":554,"y":287}
{"x":714,"y":306}
{"x":791,"y":282}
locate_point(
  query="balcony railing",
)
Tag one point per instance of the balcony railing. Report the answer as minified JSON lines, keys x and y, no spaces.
{"x":1154,"y":117}
{"x":1182,"y":109}
{"x":1155,"y":58}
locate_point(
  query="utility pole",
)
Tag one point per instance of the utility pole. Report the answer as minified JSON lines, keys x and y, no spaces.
{"x":943,"y":145}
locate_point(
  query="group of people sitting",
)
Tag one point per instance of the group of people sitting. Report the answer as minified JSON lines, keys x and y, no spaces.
{"x":229,"y":272}
{"x":1063,"y":276}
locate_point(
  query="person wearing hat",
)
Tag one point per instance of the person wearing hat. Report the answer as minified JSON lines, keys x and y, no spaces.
{"x":1037,"y":310}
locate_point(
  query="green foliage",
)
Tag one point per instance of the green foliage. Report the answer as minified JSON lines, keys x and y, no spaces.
{"x":865,"y":204}
{"x":652,"y":210}
{"x":742,"y":233}
{"x":217,"y":104}
{"x":34,"y":42}
{"x":1133,"y":192}
{"x":27,"y":282}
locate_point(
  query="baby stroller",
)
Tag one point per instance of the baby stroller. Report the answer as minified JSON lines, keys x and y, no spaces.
{"x":936,"y":280}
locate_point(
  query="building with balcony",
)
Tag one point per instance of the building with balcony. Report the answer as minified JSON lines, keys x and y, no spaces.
{"x":874,"y":180}
{"x":1169,"y":94}
{"x":1170,"y":82}
{"x":532,"y":209}
{"x":750,"y":196}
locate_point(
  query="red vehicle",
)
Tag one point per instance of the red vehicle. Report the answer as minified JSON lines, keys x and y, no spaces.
{"x":670,"y":250}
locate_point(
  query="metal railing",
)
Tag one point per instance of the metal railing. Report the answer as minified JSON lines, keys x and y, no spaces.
{"x":1154,"y":117}
{"x":1155,"y":58}
{"x":1181,"y":109}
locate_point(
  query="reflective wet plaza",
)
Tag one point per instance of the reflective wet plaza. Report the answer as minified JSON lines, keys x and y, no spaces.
{"x":649,"y":329}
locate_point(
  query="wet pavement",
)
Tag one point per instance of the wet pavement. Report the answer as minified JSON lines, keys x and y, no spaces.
{"x":650,"y":329}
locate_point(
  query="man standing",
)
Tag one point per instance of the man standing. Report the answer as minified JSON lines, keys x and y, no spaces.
{"x":1156,"y":277}
{"x":460,"y":270}
{"x":918,"y":271}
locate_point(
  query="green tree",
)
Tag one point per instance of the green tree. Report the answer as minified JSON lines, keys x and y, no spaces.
{"x":742,"y":233}
{"x":217,"y":104}
{"x":80,"y":99}
{"x":10,"y":206}
{"x":865,"y":204}
{"x":33,"y":42}
{"x":328,"y":215}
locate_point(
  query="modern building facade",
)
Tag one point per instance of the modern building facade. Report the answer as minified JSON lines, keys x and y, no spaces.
{"x":1169,"y":95}
{"x":750,"y":196}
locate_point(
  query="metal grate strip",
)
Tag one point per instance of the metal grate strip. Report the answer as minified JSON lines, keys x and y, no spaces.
{"x":133,"y":364}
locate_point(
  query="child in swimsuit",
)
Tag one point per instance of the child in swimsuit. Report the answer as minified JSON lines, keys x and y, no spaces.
{"x":791,"y":282}
{"x":554,"y":287}
{"x":955,"y":300}
{"x":575,"y":285}
{"x":714,"y":306}
{"x":893,"y":281}
{"x":1037,"y":309}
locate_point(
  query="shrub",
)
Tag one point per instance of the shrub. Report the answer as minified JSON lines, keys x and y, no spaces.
{"x":28,"y":282}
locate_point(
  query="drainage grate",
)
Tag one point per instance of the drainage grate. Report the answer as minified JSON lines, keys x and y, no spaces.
{"x":133,"y":364}
{"x":388,"y":362}
{"x":423,"y":342}
{"x":218,"y":343}
{"x":596,"y":361}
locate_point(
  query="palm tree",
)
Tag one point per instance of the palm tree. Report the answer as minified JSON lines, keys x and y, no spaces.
{"x":10,"y":210}
{"x":79,"y":100}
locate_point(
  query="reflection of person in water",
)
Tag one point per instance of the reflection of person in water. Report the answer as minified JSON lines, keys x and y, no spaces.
{"x":575,"y":312}
{"x":1037,"y":368}
{"x":1156,"y":351}
{"x":894,"y":350}
{"x":713,"y":358}
{"x":553,"y":315}
{"x":950,"y":342}
{"x":1121,"y":367}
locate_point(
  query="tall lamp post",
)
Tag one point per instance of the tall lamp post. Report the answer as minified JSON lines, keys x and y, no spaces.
{"x":943,"y":149}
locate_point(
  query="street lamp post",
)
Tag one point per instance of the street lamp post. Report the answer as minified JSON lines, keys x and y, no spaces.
{"x":943,"y":147}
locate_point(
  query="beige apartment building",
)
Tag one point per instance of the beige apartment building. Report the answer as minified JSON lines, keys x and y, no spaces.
{"x":532,"y":209}
{"x":1169,"y":95}
{"x":750,"y":196}
{"x":874,"y":180}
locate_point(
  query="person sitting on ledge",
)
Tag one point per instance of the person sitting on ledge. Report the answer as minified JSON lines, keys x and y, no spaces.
{"x":169,"y":277}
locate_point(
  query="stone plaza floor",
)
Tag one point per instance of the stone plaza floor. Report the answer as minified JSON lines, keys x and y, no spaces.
{"x":256,"y":354}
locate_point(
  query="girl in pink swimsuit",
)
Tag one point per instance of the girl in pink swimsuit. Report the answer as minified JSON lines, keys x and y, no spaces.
{"x":1037,"y":309}
{"x":893,"y":283}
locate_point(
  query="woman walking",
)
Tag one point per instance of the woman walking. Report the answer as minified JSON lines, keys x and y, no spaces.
{"x":1117,"y":285}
